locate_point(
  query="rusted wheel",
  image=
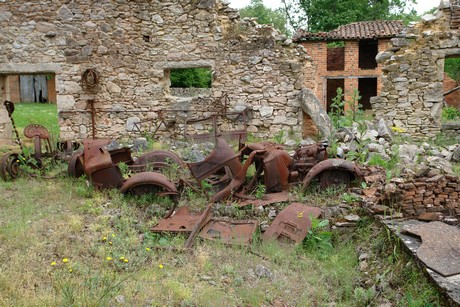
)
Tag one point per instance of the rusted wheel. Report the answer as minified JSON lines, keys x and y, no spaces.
{"x":334,"y":178}
{"x":75,"y":168}
{"x":154,"y":184}
{"x":9,"y":166}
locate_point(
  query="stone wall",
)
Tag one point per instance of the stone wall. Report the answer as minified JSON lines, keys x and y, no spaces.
{"x":412,"y":82}
{"x":451,"y":130}
{"x":132,"y":45}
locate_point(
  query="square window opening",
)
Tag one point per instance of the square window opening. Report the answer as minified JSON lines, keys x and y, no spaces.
{"x":190,"y":82}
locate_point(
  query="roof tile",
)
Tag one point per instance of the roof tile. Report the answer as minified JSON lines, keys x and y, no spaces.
{"x":356,"y":30}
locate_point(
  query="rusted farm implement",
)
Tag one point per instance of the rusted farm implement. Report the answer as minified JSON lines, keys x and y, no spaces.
{"x":42,"y":149}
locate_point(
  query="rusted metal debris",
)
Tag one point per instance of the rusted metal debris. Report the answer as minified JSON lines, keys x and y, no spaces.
{"x":222,"y":168}
{"x":204,"y":226}
{"x":10,"y":162}
{"x":101,"y":167}
{"x":201,"y":222}
{"x":183,"y":220}
{"x":230,"y":231}
{"x":268,"y":199}
{"x":291,"y":225}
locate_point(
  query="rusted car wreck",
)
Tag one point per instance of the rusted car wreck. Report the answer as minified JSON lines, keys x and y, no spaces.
{"x":223,"y":169}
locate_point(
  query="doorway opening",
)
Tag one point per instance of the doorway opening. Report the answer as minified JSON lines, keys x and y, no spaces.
{"x":34,"y":97}
{"x":331,"y":91}
{"x":367,"y":88}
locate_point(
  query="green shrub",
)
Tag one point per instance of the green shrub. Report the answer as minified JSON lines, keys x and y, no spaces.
{"x":450,"y":113}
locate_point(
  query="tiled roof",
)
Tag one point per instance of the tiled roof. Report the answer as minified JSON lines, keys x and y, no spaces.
{"x":356,"y":30}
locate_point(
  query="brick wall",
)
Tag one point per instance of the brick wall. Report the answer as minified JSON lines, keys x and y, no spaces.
{"x":318,"y":51}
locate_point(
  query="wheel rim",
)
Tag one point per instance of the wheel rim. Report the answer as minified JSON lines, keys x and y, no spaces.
{"x":334,"y":178}
{"x":9,"y":166}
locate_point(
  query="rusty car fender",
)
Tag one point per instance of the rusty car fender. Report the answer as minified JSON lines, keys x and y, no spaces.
{"x":151,"y":179}
{"x":159,"y":159}
{"x":331,"y":164}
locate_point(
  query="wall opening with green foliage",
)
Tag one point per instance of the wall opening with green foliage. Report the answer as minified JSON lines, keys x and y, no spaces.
{"x":200,"y":77}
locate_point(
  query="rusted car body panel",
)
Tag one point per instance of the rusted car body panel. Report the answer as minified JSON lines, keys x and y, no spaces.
{"x":205,"y":226}
{"x":291,"y":225}
{"x":229,"y":231}
{"x":183,"y":220}
{"x":222,"y":156}
{"x":332,"y":165}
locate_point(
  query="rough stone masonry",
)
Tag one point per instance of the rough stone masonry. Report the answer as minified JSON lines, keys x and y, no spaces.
{"x":133,"y":45}
{"x":413,"y":73}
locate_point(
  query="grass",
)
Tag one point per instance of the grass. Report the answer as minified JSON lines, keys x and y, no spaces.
{"x":36,"y":113}
{"x":45,"y":221}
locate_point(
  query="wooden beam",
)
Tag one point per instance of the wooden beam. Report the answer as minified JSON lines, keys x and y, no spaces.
{"x":451,"y":91}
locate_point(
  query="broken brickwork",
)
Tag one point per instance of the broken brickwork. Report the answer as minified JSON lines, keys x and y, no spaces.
{"x":440,"y":193}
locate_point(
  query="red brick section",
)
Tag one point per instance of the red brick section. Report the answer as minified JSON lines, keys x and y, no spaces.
{"x":12,"y":83}
{"x":351,"y":34}
{"x":452,"y":99}
{"x":318,"y":51}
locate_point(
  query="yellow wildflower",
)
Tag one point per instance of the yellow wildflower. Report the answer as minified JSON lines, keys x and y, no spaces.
{"x":53,"y":263}
{"x":70,"y":270}
{"x":113,"y":235}
{"x":104,"y":239}
{"x":125,"y":260}
{"x":160,"y":266}
{"x":109,"y":258}
{"x":110,"y":243}
{"x":147,"y":249}
{"x":65,"y":260}
{"x":121,"y":258}
{"x":300,"y":215}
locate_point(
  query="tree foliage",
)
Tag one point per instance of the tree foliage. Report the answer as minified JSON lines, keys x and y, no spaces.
{"x":265,"y":15}
{"x":327,"y":15}
{"x":191,"y":77}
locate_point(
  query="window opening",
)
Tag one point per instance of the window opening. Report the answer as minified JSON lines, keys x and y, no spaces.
{"x":34,"y":97}
{"x":336,"y":56}
{"x":190,"y":82}
{"x":451,"y":90}
{"x":367,"y":52}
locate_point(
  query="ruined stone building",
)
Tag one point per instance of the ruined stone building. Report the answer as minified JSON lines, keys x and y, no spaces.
{"x":345,"y":58}
{"x":413,"y":73}
{"x":115,"y":57}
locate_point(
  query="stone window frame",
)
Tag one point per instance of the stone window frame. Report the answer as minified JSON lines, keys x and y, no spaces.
{"x":167,"y":66}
